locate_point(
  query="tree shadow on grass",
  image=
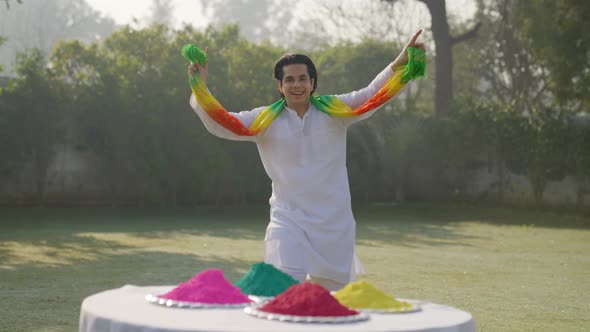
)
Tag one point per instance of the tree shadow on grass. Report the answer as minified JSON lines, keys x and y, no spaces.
{"x":56,"y":251}
{"x":410,"y":227}
{"x":410,"y":234}
{"x":375,"y":227}
{"x":438,"y":224}
{"x":409,"y":224}
{"x":456,"y":211}
{"x":453,"y":212}
{"x":18,"y":224}
{"x":39,"y":298}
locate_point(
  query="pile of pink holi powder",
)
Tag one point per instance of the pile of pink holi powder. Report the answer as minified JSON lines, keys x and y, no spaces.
{"x":208,"y":286}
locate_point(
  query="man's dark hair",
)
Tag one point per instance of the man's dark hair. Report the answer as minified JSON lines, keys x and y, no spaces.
{"x":292,"y":59}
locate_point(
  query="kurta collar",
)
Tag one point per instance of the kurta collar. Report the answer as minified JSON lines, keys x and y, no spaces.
{"x":294,"y":113}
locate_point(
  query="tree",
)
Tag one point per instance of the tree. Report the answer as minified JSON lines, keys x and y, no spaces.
{"x":444,"y":42}
{"x":40,"y":24}
{"x":527,"y":93}
{"x":387,"y":21}
{"x":31,"y":120}
{"x":129,"y":97}
{"x":2,"y":40}
{"x":560,"y":44}
{"x":524,"y":57}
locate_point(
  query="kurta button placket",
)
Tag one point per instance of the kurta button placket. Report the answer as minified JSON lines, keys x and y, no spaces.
{"x":305,"y":137}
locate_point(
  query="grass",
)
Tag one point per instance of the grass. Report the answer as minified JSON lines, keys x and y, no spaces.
{"x":514,"y":270}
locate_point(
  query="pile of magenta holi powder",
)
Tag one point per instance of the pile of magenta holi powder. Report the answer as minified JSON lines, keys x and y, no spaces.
{"x":265,"y":280}
{"x":208,"y":286}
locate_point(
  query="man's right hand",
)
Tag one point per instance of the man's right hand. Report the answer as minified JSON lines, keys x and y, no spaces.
{"x":201,"y":69}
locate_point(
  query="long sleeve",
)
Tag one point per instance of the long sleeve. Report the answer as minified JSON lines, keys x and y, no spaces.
{"x":245,"y":117}
{"x":356,"y":98}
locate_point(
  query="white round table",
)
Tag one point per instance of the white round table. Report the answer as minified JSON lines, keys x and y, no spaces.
{"x":126,"y":309}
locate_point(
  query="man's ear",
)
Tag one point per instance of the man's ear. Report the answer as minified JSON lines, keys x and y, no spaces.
{"x":280,"y":87}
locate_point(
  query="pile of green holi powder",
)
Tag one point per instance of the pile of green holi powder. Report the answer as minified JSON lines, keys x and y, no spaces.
{"x":265,"y":280}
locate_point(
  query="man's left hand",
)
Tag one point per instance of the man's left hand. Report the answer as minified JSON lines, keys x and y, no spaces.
{"x":402,"y":58}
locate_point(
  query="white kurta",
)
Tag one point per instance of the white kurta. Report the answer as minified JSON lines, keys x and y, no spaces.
{"x":311,"y":228}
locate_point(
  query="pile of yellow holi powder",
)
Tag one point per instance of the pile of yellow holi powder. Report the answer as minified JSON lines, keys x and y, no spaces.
{"x":363,"y":295}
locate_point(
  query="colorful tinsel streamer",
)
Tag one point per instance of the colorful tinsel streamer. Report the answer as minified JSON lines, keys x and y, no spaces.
{"x":331,"y":105}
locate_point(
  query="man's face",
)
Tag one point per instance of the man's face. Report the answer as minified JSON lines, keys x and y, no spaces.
{"x":296,"y":85}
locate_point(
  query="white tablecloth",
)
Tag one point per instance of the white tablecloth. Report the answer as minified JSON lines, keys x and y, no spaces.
{"x":126,"y":309}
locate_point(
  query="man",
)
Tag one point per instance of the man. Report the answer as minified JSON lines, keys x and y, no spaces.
{"x":311,"y":232}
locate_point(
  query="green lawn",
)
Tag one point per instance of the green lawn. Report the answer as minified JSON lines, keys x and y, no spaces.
{"x":513,"y":270}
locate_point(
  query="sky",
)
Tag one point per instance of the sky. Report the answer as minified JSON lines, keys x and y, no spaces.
{"x":123,"y":11}
{"x":189,"y":11}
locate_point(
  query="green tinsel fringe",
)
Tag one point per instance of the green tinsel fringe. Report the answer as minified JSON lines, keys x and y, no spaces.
{"x":416,"y":67}
{"x":194,"y":54}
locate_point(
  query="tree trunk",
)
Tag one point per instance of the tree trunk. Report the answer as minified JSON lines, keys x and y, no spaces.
{"x":443,"y":90}
{"x":538,"y":182}
{"x":501,"y":180}
{"x":582,"y":183}
{"x":40,"y":167}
